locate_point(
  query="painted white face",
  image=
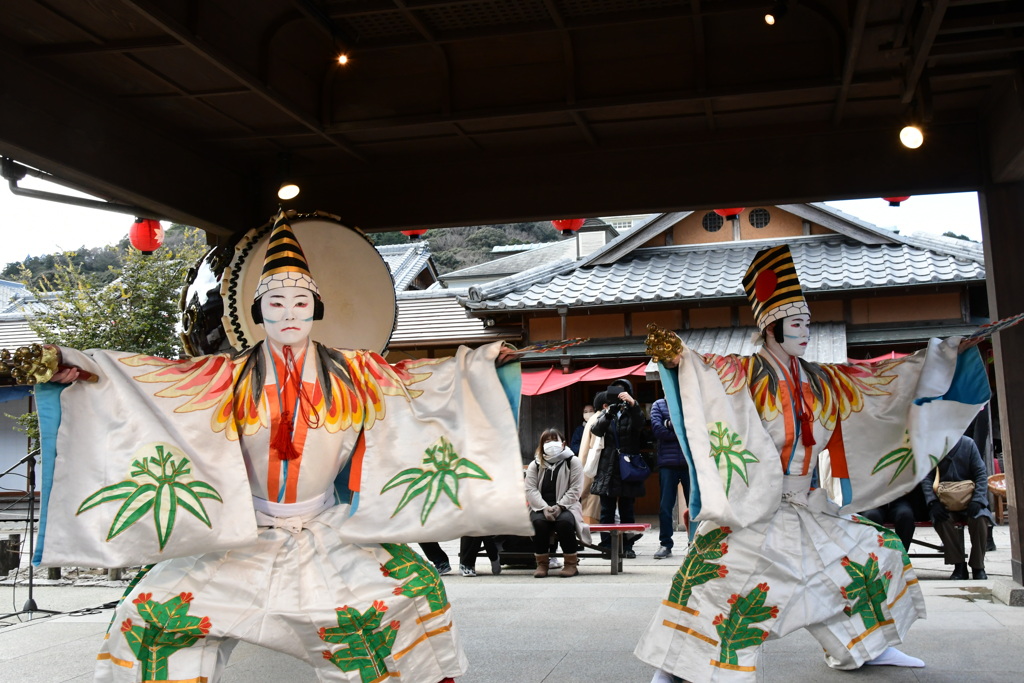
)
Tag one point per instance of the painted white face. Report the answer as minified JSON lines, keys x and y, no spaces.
{"x":796,"y":331}
{"x":288,"y":315}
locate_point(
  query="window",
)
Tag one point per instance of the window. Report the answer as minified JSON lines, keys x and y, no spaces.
{"x":760,"y":218}
{"x":712,"y":222}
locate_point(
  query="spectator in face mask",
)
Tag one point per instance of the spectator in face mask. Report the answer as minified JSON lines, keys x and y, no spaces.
{"x":577,"y":435}
{"x":554,"y":481}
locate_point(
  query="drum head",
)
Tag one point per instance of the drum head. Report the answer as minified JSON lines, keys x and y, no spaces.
{"x":354,"y":280}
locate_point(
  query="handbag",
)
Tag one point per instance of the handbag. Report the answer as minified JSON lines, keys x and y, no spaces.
{"x":954,"y":495}
{"x":632,"y":468}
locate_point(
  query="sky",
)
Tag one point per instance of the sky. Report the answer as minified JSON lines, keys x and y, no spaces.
{"x":34,"y":227}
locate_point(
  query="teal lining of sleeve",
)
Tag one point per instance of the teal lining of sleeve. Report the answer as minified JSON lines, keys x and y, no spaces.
{"x":970,"y":381}
{"x":670,"y":383}
{"x":511,"y":377}
{"x":48,"y":409}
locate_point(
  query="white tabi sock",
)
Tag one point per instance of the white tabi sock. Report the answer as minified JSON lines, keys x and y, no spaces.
{"x":893,"y":657}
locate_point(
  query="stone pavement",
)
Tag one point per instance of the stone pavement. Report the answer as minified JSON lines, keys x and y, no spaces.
{"x":518,"y":629}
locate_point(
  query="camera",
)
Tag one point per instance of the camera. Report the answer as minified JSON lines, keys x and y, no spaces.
{"x":612,"y":394}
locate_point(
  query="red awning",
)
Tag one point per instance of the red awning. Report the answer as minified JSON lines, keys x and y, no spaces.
{"x":552,"y":379}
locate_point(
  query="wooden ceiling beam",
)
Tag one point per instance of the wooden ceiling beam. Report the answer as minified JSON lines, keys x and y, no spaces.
{"x":860,"y":17}
{"x":216,"y":57}
{"x":109,"y":47}
{"x":84,"y":138}
{"x":923,"y":39}
{"x":803,"y":163}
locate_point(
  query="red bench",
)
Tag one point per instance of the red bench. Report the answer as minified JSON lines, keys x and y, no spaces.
{"x":617,"y":538}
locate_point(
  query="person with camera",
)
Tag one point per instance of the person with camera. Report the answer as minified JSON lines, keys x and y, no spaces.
{"x":963,"y":463}
{"x":621,"y":424}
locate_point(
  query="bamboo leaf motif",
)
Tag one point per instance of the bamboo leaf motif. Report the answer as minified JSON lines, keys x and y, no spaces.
{"x":725,"y":449}
{"x":900,"y":458}
{"x":158,"y":484}
{"x":168,"y":628}
{"x":415,"y":488}
{"x":118,"y":491}
{"x":403,"y":477}
{"x":469,"y":470}
{"x":367,"y":643}
{"x":188,"y":499}
{"x":441,"y":474}
{"x":204,"y":490}
{"x":887,"y":538}
{"x":450,"y":486}
{"x":867,"y":590}
{"x":697,"y":568}
{"x":132,"y":510}
{"x":736,"y":630}
{"x":433,"y":493}
{"x":416,"y":576}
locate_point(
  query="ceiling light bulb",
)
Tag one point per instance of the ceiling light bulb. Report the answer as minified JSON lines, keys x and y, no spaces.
{"x":288,"y":191}
{"x":911,"y":137}
{"x":769,"y":19}
{"x":343,"y":59}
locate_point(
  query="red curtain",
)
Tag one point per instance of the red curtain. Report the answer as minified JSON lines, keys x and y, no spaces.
{"x":552,"y":379}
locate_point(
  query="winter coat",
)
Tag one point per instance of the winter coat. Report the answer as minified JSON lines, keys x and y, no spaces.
{"x":670,"y":453}
{"x":963,"y":462}
{"x":627,"y":423}
{"x":568,"y":487}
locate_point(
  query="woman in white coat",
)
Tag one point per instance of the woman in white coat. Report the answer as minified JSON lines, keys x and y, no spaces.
{"x":554,"y":482}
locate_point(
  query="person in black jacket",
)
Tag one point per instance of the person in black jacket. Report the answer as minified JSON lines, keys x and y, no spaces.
{"x":673,"y":472}
{"x":622,"y":426}
{"x":962,"y":463}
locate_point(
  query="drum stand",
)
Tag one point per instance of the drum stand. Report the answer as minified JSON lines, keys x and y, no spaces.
{"x":30,"y":604}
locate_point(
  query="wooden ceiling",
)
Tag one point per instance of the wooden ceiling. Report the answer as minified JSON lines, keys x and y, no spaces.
{"x":478,"y":111}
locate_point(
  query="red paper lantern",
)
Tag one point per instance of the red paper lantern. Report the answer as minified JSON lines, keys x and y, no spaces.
{"x":146,"y":235}
{"x":568,"y":226}
{"x":730,"y":213}
{"x":414,"y":234}
{"x":895,"y":201}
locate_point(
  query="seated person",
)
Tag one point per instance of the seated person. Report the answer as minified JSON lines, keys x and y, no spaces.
{"x":469,"y":546}
{"x":554,"y":481}
{"x":962,"y":463}
{"x":903,"y":513}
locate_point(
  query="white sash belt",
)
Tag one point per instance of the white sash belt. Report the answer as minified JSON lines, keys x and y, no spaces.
{"x":290,"y":516}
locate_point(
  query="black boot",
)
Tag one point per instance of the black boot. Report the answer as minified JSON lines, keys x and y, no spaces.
{"x":980,"y":575}
{"x":959,"y":572}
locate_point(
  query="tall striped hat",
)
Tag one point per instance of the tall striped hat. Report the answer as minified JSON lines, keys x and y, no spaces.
{"x":772,"y":285}
{"x":284,"y":264}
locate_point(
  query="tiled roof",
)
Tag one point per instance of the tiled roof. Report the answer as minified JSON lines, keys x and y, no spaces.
{"x":516,"y":263}
{"x":430,"y":319}
{"x":824,"y":262}
{"x":827,"y":344}
{"x":15,"y":332}
{"x":406,"y":261}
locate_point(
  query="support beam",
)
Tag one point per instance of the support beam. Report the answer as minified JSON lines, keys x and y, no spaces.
{"x":1002,"y":212}
{"x":124,"y":159}
{"x":796,"y":164}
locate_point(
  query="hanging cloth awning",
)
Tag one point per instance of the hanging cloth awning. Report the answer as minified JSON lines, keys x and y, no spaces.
{"x":552,"y":379}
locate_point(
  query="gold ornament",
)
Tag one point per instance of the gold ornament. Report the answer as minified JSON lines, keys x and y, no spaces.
{"x":28,"y":365}
{"x":662,"y":345}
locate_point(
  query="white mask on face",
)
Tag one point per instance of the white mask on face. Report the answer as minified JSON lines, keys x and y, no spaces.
{"x":288,"y":315}
{"x":795,"y":334}
{"x":587,"y":415}
{"x":552,"y":448}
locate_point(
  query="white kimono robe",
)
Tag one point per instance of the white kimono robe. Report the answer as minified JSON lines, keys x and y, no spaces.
{"x":176,"y":462}
{"x":774,"y":552}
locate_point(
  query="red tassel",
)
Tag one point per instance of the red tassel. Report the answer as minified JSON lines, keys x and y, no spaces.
{"x":807,"y":429}
{"x":282,"y":445}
